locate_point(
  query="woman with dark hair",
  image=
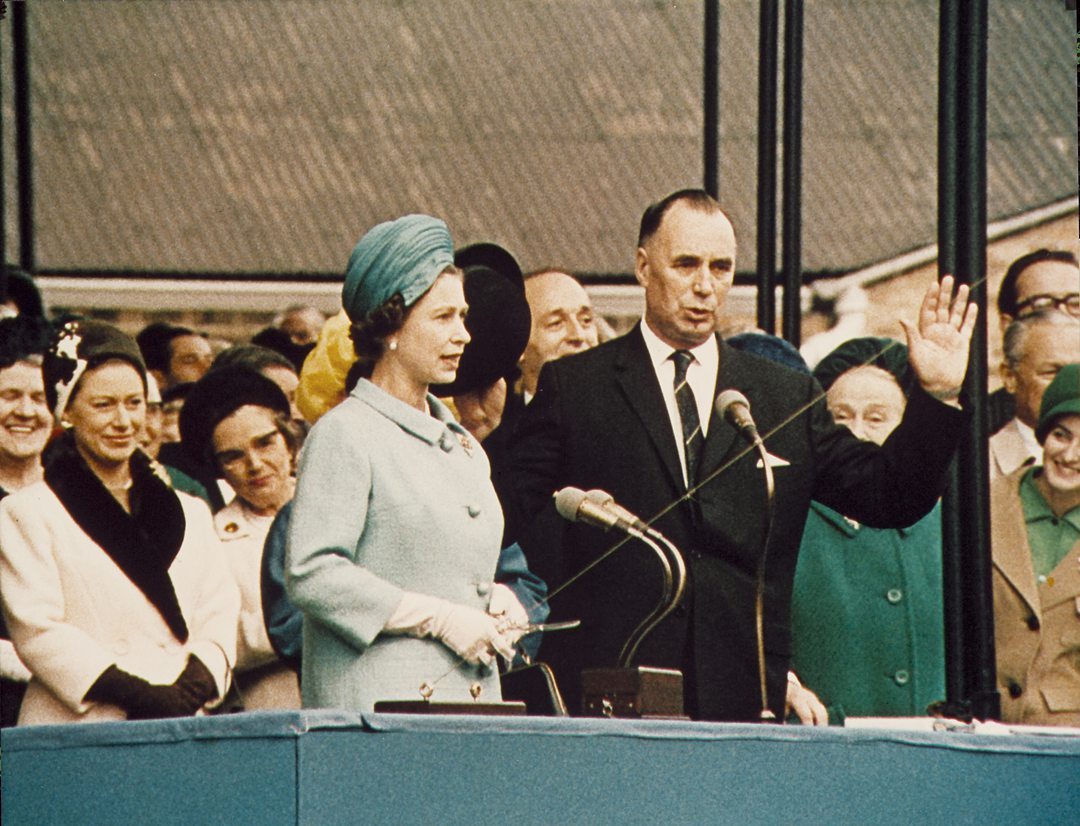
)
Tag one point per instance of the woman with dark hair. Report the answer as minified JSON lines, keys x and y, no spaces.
{"x":114,"y":589}
{"x":275,"y":367}
{"x":237,"y":420}
{"x":395,"y":528}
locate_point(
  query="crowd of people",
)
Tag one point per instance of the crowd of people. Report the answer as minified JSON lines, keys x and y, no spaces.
{"x":354,"y":509}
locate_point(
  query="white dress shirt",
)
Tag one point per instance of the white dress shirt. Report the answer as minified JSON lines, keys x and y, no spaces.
{"x":701,"y":376}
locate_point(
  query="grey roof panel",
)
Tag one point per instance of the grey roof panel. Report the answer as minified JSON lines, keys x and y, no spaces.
{"x":264,"y":135}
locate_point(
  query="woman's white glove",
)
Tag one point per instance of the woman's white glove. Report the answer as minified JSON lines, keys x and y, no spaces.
{"x":468,"y":632}
{"x":508,"y":612}
{"x":11,"y":667}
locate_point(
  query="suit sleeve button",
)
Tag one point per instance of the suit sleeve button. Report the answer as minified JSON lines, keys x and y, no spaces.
{"x":1015,"y":689}
{"x":1033,"y":623}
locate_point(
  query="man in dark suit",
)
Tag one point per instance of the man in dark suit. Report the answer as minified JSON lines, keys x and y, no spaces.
{"x":563,"y":323}
{"x":619,"y":418}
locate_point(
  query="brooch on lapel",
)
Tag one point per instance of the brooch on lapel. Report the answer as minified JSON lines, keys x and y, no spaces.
{"x":466,"y":443}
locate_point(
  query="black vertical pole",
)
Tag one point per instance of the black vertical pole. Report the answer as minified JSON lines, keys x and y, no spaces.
{"x":766,"y":167}
{"x":952,"y":561}
{"x":792,"y":203}
{"x":23,"y":151}
{"x":979,"y":658}
{"x":972,"y":520}
{"x":3,"y":190}
{"x":711,"y":103}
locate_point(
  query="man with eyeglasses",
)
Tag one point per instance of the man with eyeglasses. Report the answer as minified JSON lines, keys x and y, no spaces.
{"x":1041,"y":280}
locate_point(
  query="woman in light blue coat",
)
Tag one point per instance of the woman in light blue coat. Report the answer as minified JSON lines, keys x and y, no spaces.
{"x":395,"y":530}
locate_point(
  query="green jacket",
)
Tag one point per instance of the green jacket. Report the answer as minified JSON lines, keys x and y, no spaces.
{"x":867,"y":620}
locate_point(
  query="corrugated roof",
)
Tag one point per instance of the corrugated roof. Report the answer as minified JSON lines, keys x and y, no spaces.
{"x":265,"y":136}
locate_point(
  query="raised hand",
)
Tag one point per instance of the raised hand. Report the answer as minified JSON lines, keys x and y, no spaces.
{"x":938,"y":345}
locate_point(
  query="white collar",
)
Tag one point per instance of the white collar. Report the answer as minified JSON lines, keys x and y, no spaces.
{"x":1027,"y":436}
{"x":707,"y":354}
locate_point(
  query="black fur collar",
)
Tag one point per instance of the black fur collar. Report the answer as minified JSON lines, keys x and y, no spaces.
{"x":144,"y":543}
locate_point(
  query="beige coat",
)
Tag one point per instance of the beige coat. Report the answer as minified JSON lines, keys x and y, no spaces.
{"x":264,"y":681}
{"x":72,"y":612}
{"x":1036,"y":625}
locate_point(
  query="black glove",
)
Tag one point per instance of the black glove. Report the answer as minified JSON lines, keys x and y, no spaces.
{"x":140,"y":699}
{"x":196,"y":682}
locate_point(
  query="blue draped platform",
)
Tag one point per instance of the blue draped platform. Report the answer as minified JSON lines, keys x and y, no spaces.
{"x":334,"y":767}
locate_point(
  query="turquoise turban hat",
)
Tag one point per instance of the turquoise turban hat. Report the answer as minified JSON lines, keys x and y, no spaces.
{"x":402,"y":256}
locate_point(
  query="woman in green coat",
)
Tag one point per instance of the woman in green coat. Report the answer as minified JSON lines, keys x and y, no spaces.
{"x":867,"y":621}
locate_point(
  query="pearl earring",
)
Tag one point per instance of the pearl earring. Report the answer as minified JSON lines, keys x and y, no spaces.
{"x":392,"y":345}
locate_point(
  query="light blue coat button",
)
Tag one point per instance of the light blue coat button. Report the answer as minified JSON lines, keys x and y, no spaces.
{"x":474,"y":511}
{"x":894,"y":595}
{"x":483,"y":588}
{"x":901,"y":677}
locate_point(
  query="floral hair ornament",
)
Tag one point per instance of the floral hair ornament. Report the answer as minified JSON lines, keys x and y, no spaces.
{"x":78,"y":346}
{"x":71,"y":368}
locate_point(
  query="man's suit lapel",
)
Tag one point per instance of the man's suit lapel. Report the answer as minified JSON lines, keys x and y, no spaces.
{"x":637,"y":380}
{"x":731,"y":374}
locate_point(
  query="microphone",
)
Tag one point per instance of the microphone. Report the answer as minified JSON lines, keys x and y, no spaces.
{"x":735,"y":408}
{"x":626,"y":519}
{"x":596,"y":508}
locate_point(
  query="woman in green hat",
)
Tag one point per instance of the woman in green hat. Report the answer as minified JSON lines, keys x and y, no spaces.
{"x":1036,"y":548}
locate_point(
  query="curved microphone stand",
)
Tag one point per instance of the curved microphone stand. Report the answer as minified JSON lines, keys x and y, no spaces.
{"x":759,"y":596}
{"x":668,"y":600}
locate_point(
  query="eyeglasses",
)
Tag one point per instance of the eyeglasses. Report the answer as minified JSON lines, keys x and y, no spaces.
{"x":1069,"y":303}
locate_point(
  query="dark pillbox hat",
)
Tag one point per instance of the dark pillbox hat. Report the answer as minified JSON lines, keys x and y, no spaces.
{"x":498,"y":322}
{"x":885,"y":353}
{"x":216,"y":396}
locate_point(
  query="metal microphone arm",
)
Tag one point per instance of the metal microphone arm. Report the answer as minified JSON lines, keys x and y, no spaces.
{"x":658,"y":613}
{"x":734,"y":407}
{"x":668,"y":600}
{"x":598,"y":508}
{"x":759,"y":595}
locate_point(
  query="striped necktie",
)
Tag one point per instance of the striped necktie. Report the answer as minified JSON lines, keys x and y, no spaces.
{"x":688,"y":413}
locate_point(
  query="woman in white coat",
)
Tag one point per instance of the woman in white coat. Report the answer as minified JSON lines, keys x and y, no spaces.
{"x":238,"y":421}
{"x":395,"y":530}
{"x":115,"y":592}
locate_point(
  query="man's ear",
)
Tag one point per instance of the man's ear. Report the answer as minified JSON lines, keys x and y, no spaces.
{"x":641,"y":266}
{"x":1008,"y":378}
